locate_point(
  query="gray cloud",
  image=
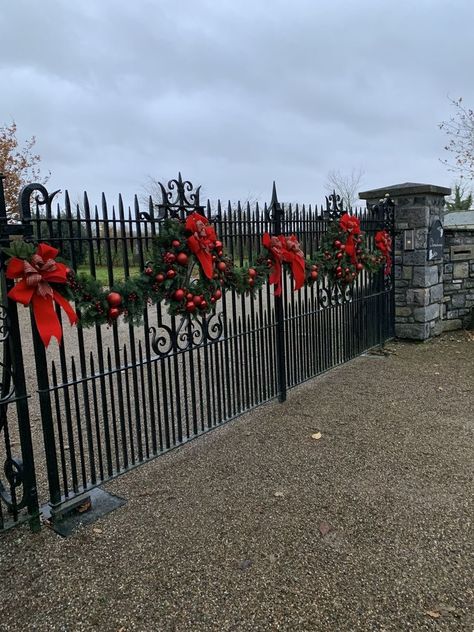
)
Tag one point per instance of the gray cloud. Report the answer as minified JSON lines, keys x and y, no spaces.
{"x":235,"y":94}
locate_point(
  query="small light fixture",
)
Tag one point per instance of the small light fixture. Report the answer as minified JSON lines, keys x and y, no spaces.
{"x":409,"y":239}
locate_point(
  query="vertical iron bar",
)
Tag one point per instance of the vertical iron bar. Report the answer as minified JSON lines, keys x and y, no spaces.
{"x":276,"y":212}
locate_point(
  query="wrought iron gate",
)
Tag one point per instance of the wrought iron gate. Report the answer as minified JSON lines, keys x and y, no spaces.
{"x":18,"y":494}
{"x":111,"y":398}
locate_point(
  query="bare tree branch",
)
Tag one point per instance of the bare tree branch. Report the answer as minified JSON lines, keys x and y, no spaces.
{"x":345,"y":185}
{"x":460,"y":132}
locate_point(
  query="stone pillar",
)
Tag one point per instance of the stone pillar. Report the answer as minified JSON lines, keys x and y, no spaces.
{"x":418,"y":276}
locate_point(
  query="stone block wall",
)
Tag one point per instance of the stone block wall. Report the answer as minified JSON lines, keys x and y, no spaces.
{"x":458,"y":281}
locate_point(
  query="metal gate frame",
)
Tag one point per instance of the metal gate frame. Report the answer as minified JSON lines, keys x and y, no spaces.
{"x":289,"y":319}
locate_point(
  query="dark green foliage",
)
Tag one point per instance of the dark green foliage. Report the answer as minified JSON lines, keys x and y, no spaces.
{"x":458,"y":201}
{"x":21,"y":249}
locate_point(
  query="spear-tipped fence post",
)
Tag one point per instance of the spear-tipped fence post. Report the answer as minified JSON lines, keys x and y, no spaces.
{"x":275,"y":214}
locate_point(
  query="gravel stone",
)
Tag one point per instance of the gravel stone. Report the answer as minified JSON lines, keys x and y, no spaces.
{"x":203,"y":543}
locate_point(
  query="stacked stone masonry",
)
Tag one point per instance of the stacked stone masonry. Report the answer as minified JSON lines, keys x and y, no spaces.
{"x":458,"y":279}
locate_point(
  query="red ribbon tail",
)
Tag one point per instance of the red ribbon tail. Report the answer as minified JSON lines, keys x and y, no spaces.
{"x":298,"y":270}
{"x":46,"y":319}
{"x":275,"y":277}
{"x":351,"y":248}
{"x":64,"y":303}
{"x":204,"y":258}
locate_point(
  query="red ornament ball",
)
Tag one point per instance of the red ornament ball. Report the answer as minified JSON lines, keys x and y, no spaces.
{"x":169,"y":258}
{"x":359,"y":266}
{"x":190,"y":306}
{"x":314,"y":274}
{"x":189,"y":296}
{"x":175,"y":243}
{"x":160,"y":278}
{"x":113,"y":313}
{"x":221,"y":266}
{"x":203,"y":305}
{"x":218,"y":245}
{"x":148,"y":271}
{"x":343,"y":247}
{"x":182,"y":259}
{"x":252,"y":273}
{"x":114,"y":299}
{"x":339,"y":255}
{"x":251,"y":282}
{"x":171,"y":274}
{"x":179,"y":295}
{"x":217,"y":294}
{"x":197,"y":300}
{"x":337,"y":243}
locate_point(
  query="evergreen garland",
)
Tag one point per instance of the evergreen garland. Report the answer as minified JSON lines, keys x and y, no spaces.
{"x":176,"y":276}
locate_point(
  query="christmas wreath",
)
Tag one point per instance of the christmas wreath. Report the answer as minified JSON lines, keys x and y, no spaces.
{"x":344,"y":254}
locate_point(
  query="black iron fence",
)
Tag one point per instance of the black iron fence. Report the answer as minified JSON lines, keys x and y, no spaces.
{"x":113,"y":397}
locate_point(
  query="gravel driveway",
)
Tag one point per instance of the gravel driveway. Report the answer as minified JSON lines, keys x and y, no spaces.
{"x":259,"y":526}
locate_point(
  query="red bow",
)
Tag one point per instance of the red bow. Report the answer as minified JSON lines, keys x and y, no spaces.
{"x":350,"y":224}
{"x":34,"y":287}
{"x":293,"y":254}
{"x":202,"y":241}
{"x":383,"y":242}
{"x":274,"y":247}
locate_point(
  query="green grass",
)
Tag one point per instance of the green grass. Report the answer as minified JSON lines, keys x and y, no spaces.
{"x":101,"y":273}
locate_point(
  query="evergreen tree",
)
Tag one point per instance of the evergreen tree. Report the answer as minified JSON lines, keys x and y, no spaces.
{"x":458,"y":202}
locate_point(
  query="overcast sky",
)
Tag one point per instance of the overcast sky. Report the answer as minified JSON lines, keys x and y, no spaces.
{"x":235,"y":93}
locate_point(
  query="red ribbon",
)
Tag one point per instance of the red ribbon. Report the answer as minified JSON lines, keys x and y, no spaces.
{"x":293,"y":254}
{"x":383,"y":242}
{"x":350,"y":224}
{"x":275,"y":249}
{"x":286,"y":249}
{"x":202,"y":241}
{"x":34,"y":288}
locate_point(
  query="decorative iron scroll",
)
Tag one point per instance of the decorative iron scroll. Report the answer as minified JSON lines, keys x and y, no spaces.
{"x":13,"y":466}
{"x":334,"y":295}
{"x":384,"y":211}
{"x":178,"y":199}
{"x":42,"y":198}
{"x":334,"y":206}
{"x":190,"y":333}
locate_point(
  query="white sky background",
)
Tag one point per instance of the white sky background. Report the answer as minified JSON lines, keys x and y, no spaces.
{"x":235,"y":93}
